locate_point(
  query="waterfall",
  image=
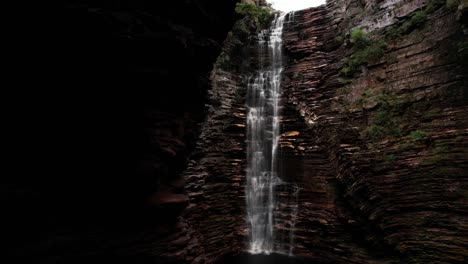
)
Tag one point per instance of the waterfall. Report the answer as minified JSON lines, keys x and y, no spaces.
{"x":263,"y":133}
{"x":291,"y":18}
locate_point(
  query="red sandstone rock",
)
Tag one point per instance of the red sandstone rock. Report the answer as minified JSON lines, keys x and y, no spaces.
{"x":395,"y":199}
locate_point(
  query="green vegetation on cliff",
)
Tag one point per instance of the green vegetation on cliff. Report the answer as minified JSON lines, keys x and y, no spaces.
{"x":451,"y":4}
{"x":416,"y":20}
{"x":383,"y":123}
{"x":234,"y":43}
{"x":365,"y":50}
{"x":418,"y":134}
{"x":261,"y":14}
{"x":255,"y":19}
{"x":435,"y":5}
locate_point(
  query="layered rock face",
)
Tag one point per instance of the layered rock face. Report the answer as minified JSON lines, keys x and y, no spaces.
{"x":379,"y":155}
{"x":391,"y":196}
{"x":216,"y":171}
{"x":399,"y":194}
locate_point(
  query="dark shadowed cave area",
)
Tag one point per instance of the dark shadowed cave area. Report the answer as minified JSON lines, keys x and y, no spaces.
{"x":134,"y":145}
{"x":90,"y":159}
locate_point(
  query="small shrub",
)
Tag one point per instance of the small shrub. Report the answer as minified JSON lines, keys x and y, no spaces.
{"x":360,"y":38}
{"x":381,"y":117}
{"x":364,"y":51}
{"x":431,"y":114}
{"x":263,"y":15}
{"x":390,"y":158}
{"x":241,"y":28}
{"x":345,"y":71}
{"x":418,"y":134}
{"x":370,"y":53}
{"x":375,"y":132}
{"x":222,"y":61}
{"x":434,"y":5}
{"x":383,"y":121}
{"x":419,"y":18}
{"x":366,"y":93}
{"x":339,"y":40}
{"x":391,"y":32}
{"x":441,"y":149}
{"x":416,"y":20}
{"x":391,"y":58}
{"x":395,"y":131}
{"x":451,"y":4}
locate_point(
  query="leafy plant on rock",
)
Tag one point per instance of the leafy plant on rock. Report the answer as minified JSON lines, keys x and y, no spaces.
{"x":390,"y":158}
{"x":418,"y":134}
{"x":383,"y":122}
{"x":261,"y":14}
{"x":416,"y":20}
{"x":435,"y":5}
{"x":451,"y":4}
{"x":365,"y":51}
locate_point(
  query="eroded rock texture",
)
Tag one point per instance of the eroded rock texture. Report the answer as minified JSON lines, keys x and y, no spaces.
{"x":379,"y":156}
{"x":394,"y":196}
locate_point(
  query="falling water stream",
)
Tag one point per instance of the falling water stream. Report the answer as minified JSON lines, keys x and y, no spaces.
{"x":263,"y":133}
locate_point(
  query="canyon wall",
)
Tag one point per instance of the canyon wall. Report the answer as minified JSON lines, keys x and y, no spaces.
{"x":385,"y":177}
{"x":156,"y":173}
{"x":379,"y":153}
